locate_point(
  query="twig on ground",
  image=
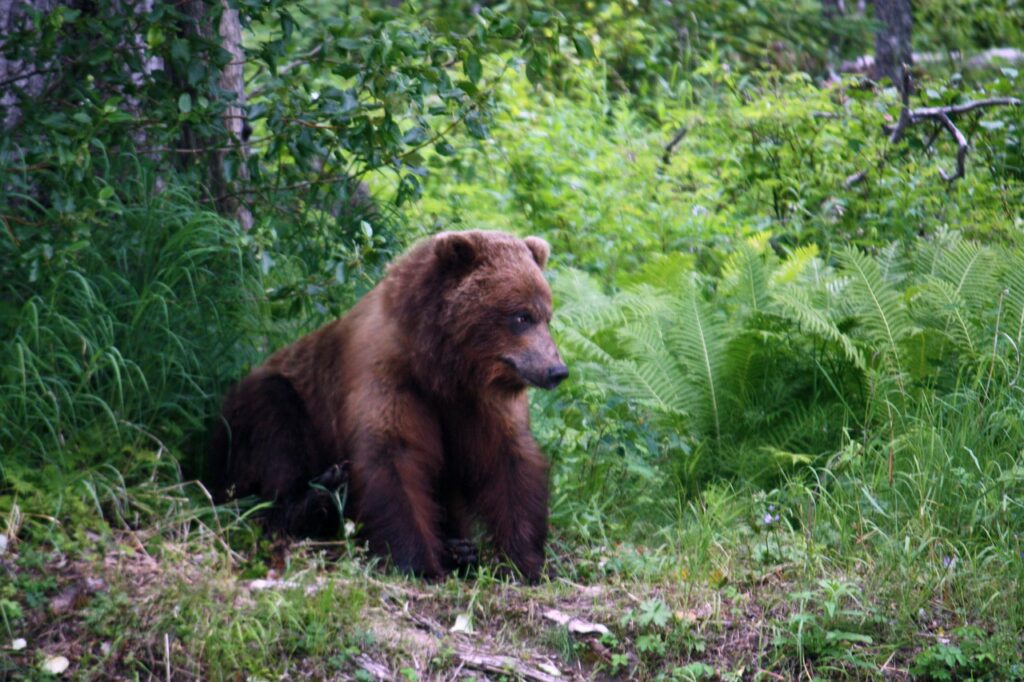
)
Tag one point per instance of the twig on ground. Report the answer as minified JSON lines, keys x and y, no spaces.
{"x":501,"y":665}
{"x":377,"y":670}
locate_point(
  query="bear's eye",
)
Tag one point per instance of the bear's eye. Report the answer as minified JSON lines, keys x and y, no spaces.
{"x":523,"y":319}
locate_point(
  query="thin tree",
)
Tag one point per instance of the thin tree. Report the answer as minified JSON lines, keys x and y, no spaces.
{"x":893,"y":53}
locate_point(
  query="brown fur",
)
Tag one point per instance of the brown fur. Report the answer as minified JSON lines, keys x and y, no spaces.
{"x":420,"y":391}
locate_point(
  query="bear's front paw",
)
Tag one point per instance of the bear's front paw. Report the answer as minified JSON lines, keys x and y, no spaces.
{"x":460,"y":553}
{"x":335,"y":477}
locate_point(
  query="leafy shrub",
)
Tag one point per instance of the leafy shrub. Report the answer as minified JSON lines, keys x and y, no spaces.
{"x":756,"y":153}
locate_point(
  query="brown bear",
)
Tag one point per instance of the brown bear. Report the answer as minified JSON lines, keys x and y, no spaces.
{"x":416,"y":397}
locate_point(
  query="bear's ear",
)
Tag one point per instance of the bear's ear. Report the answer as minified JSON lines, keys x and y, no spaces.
{"x":540,"y":250}
{"x":455,"y":250}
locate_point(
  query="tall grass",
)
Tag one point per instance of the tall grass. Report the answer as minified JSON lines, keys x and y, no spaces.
{"x":126,"y":337}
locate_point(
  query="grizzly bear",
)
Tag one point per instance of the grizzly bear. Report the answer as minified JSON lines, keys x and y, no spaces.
{"x":417,"y":399}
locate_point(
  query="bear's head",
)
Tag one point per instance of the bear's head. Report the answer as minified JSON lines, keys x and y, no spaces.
{"x":488,"y":312}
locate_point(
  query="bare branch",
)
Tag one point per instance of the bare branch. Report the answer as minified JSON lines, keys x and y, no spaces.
{"x":855,"y":179}
{"x":671,"y":146}
{"x":961,"y":149}
{"x":942,"y":115}
{"x":957,"y":109}
{"x":10,"y":232}
{"x":24,"y":76}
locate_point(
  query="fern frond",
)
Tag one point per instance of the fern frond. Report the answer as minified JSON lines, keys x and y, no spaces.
{"x":582,"y":303}
{"x":892,"y":262}
{"x":654,"y":381}
{"x":877,"y":304}
{"x":971,"y":269}
{"x":1013,"y":280}
{"x":797,"y":306}
{"x":798,"y":264}
{"x":580,"y":347}
{"x":930,"y":253}
{"x":745,"y":278}
{"x":759,"y":241}
{"x":698,"y":338}
{"x":940,"y":305}
{"x":642,"y":339}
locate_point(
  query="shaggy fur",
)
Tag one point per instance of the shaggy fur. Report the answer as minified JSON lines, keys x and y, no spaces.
{"x":418,"y":397}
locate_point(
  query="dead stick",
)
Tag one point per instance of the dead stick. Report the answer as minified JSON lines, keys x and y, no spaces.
{"x":961,"y":148}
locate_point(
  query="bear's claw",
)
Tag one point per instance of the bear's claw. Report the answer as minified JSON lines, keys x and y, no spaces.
{"x":334,"y":478}
{"x":461,"y":552}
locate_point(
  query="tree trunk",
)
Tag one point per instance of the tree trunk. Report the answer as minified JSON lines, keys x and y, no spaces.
{"x":233,"y":80}
{"x":893,"y":54}
{"x":15,"y":75}
{"x":833,"y":9}
{"x":225,"y":186}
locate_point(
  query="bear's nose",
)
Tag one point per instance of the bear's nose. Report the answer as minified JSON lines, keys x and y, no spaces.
{"x":557,"y":375}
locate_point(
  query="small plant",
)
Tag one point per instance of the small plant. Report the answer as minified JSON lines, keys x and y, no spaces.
{"x":834,"y":631}
{"x":970,"y":654}
{"x":692,"y":672}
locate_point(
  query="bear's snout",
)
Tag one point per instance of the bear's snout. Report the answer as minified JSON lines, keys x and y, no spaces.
{"x":534,"y":371}
{"x":556,"y":375}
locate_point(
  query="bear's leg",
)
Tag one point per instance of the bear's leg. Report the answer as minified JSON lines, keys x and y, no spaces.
{"x":396,"y":510}
{"x":315,"y":511}
{"x":514,"y":506}
{"x":267,"y":446}
{"x":460,"y":552}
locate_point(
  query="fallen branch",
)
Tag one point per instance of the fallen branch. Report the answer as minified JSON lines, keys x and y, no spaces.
{"x":988,"y":57}
{"x":502,"y":665}
{"x":376,"y":670}
{"x":957,"y":109}
{"x":961,"y":148}
{"x":942,"y":116}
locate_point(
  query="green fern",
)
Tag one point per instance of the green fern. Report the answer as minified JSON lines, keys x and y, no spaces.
{"x":745,"y":278}
{"x":580,"y":346}
{"x":698,"y":338}
{"x":802,"y":264}
{"x":1013,"y":280}
{"x":940,"y":306}
{"x":879,"y":308}
{"x":583,"y":305}
{"x":796,"y":304}
{"x":652,"y":381}
{"x":971,"y":269}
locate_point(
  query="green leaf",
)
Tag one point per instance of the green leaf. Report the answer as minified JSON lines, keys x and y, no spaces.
{"x":537,"y":67}
{"x":155,"y":36}
{"x":583,"y":46}
{"x":185,"y":103}
{"x":475,"y":126}
{"x":180,"y":51}
{"x":473,"y":68}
